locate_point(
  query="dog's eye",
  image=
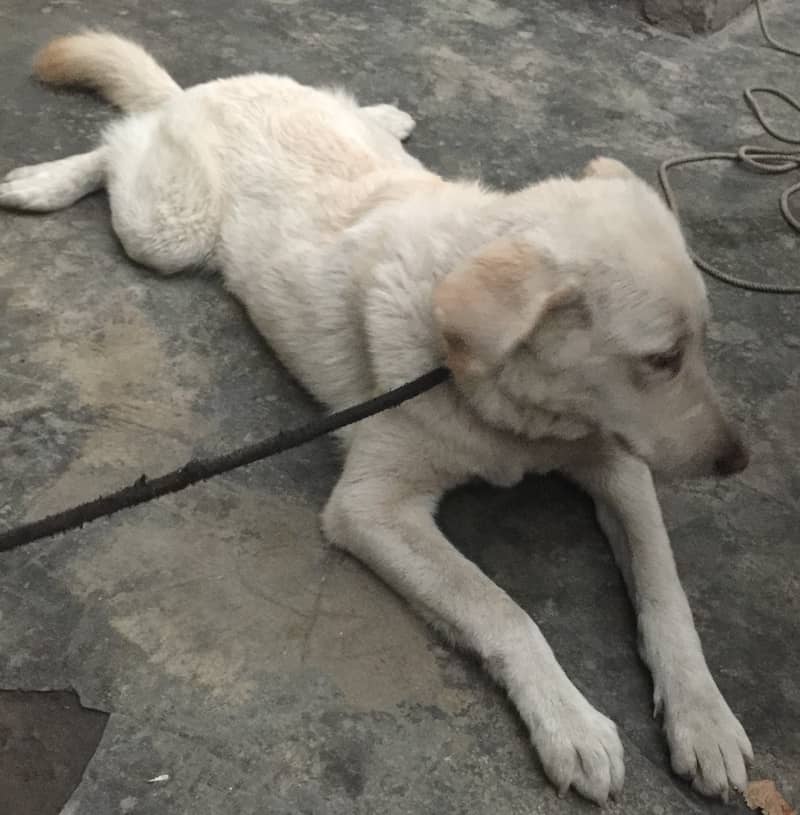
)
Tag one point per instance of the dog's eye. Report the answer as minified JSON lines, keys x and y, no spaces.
{"x":668,"y":361}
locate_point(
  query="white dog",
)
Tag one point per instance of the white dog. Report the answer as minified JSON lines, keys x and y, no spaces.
{"x":569,"y":313}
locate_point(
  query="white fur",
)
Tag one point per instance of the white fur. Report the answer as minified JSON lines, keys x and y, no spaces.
{"x":363,"y":270}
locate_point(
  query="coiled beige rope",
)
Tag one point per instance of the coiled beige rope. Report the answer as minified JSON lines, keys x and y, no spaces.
{"x":761,"y":159}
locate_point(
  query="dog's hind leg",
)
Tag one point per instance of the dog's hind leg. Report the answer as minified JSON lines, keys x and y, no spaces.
{"x":54,"y":184}
{"x":391,"y":119}
{"x":164,"y":192}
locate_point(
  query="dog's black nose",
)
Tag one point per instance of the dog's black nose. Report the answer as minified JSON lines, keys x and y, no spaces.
{"x":734,"y":458}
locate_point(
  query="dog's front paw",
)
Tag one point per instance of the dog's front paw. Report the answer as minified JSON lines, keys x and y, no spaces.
{"x":707,"y":743}
{"x":580,"y":748}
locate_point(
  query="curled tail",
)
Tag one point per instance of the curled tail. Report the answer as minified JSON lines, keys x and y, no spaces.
{"x":120,"y":70}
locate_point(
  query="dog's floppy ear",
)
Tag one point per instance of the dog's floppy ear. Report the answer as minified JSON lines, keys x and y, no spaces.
{"x":602,"y":167}
{"x":490,"y":303}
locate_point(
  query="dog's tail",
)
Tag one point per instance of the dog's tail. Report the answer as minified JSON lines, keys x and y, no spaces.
{"x":120,"y":70}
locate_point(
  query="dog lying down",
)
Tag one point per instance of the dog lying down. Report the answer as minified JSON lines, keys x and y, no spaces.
{"x":569,"y":313}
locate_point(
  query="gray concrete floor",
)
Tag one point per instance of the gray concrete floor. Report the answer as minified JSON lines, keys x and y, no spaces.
{"x":263,"y":672}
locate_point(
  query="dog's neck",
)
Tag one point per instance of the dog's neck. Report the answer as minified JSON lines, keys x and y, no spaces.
{"x":404,"y":340}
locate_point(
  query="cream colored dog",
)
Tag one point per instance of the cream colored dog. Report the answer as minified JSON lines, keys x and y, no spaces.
{"x":569,"y":313}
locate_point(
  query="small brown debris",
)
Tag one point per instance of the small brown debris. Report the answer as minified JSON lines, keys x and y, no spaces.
{"x":764,"y":796}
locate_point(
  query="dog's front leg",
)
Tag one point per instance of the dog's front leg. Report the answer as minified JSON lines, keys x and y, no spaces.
{"x":707,"y":743}
{"x":382,"y":512}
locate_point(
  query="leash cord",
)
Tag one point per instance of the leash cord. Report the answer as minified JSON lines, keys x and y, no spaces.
{"x":761,"y":159}
{"x":145,"y":489}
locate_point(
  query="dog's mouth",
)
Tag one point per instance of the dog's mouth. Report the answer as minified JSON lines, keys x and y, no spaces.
{"x":665,"y":470}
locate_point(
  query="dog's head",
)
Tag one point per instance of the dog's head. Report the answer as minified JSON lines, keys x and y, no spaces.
{"x":589,"y":310}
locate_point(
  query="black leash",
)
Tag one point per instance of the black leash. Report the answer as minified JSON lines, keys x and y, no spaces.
{"x":145,"y":489}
